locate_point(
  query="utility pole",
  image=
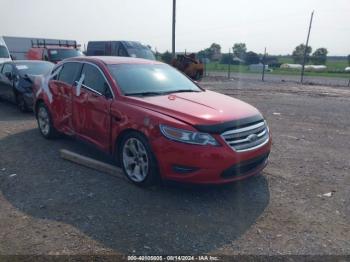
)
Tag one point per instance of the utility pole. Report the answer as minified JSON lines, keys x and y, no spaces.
{"x":263,"y":62}
{"x":174,"y":21}
{"x":306,"y":46}
{"x":229,"y":63}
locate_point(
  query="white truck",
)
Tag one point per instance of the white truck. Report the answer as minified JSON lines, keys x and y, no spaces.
{"x":4,"y":52}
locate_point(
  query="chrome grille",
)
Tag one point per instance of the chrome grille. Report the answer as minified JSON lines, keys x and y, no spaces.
{"x":247,"y":138}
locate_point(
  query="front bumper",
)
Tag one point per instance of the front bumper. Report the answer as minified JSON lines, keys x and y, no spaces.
{"x":207,"y":164}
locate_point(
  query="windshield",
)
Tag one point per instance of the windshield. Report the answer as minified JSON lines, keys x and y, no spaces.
{"x":141,"y":53}
{"x":3,"y":52}
{"x":60,"y":54}
{"x":134,"y":79}
{"x":34,"y":68}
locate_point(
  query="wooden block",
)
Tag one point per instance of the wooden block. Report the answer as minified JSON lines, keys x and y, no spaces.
{"x":91,"y":163}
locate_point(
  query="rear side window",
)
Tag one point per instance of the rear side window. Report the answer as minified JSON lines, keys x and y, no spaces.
{"x":94,"y":79}
{"x":70,"y":73}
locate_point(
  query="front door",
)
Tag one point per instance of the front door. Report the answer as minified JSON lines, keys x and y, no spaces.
{"x":62,"y":89}
{"x":6,"y":82}
{"x":91,"y":107}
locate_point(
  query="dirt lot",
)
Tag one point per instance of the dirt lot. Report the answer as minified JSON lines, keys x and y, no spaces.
{"x":51,"y":206}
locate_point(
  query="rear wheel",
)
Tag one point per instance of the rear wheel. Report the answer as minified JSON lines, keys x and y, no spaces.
{"x":137,"y":160}
{"x":45,"y":122}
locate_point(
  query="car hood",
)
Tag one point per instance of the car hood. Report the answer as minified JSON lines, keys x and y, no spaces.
{"x":198,"y":108}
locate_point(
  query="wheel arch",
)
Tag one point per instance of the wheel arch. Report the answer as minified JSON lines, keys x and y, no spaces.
{"x":119,"y":139}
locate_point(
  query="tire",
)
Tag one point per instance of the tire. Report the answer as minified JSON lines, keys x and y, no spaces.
{"x":21,"y":103}
{"x":44,"y":120}
{"x":137,"y":160}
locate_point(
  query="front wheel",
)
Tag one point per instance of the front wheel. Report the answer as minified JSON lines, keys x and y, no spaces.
{"x":45,"y":122}
{"x":137,"y":159}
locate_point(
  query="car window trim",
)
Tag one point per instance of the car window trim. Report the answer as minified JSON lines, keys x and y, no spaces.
{"x":90,"y":89}
{"x":99,"y":69}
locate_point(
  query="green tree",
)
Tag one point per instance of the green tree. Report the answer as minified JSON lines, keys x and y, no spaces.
{"x":319,"y":57}
{"x":252,"y":58}
{"x":298,"y":54}
{"x":349,"y":60}
{"x":239,"y":50}
{"x":213,"y":52}
{"x":166,"y":57}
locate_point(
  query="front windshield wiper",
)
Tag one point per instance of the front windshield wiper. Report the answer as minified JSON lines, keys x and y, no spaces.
{"x":145,"y":94}
{"x":184,"y":91}
{"x":160,"y":93}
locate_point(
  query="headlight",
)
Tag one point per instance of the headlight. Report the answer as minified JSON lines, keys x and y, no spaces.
{"x":187,"y":136}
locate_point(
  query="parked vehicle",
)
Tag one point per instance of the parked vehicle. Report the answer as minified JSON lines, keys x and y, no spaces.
{"x":54,"y":53}
{"x":4,"y":53}
{"x":16,"y":81}
{"x":189,"y":65}
{"x":156,"y":121}
{"x":20,"y":46}
{"x":119,"y":48}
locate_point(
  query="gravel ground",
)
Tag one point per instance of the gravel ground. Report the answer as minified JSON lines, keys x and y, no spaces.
{"x":51,"y":206}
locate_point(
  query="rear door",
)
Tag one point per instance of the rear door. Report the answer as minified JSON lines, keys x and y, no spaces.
{"x":7,"y":82}
{"x":62,"y":91}
{"x":91,"y":107}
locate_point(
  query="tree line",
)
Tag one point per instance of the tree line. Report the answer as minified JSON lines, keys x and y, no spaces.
{"x":241,"y":55}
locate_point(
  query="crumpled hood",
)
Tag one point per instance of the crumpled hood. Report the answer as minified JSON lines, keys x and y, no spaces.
{"x":202,"y":108}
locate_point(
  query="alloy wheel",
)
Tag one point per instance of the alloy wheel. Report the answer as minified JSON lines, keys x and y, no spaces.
{"x":135,"y":160}
{"x":44,"y":120}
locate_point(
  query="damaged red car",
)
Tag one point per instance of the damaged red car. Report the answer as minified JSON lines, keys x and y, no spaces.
{"x":156,"y":122}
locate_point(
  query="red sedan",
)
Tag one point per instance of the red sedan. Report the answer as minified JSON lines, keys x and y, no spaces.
{"x":155,"y":121}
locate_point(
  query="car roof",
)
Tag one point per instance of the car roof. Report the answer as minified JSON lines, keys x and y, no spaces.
{"x":30,"y":61}
{"x":17,"y":62}
{"x":113,"y":60}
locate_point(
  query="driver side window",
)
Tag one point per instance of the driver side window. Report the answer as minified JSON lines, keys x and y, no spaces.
{"x":95,"y":80}
{"x":7,"y":69}
{"x":122,"y":52}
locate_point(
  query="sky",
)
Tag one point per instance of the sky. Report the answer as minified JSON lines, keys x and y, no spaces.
{"x":278,"y":25}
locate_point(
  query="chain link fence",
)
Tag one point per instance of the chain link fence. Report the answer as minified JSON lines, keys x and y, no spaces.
{"x":231,"y":69}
